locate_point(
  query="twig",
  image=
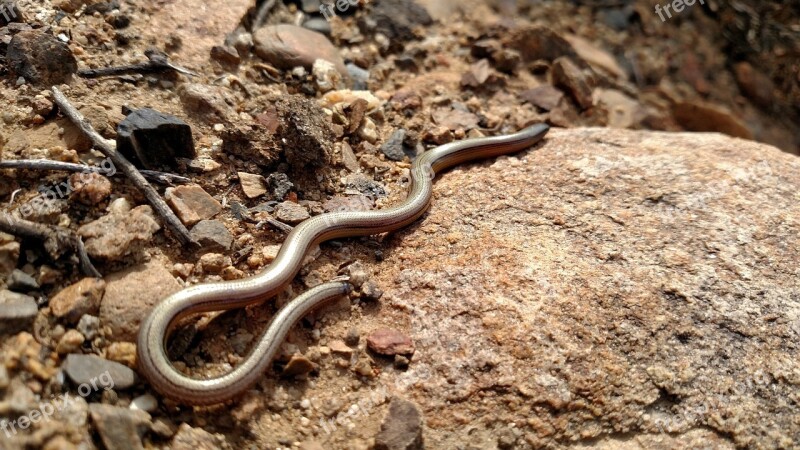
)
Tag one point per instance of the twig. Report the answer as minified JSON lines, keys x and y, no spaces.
{"x":280,"y":226}
{"x":263,"y":11}
{"x":44,"y":164}
{"x":158,"y":62}
{"x":164,"y":177}
{"x":56,"y":241}
{"x":109,"y":149}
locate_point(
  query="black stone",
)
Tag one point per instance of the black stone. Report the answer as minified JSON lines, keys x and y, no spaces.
{"x":393,"y":148}
{"x":155,"y":140}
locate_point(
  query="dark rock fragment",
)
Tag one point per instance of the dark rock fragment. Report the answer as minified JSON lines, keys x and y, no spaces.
{"x":212,"y":236}
{"x":155,"y":140}
{"x":40,"y":58}
{"x":393,"y":148}
{"x":402,"y":427}
{"x":396,"y":19}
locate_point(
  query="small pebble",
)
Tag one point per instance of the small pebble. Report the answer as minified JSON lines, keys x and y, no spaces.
{"x":89,"y":326}
{"x":370,"y":291}
{"x":145,"y":402}
{"x":401,"y":362}
{"x":70,"y":343}
{"x":353,"y":337}
{"x":298,"y":365}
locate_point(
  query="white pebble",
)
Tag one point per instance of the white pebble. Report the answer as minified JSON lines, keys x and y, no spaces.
{"x":146,"y":403}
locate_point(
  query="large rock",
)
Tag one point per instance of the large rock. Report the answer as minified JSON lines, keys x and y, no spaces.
{"x":402,"y":427}
{"x":288,"y":46}
{"x":131,"y":294}
{"x":607,"y":282}
{"x":95,"y":371}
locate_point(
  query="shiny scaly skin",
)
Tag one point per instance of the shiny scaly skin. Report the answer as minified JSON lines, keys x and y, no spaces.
{"x":155,"y":329}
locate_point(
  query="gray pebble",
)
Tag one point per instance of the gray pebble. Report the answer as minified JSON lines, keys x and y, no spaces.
{"x":20,"y":281}
{"x":359,"y":76}
{"x":17,"y":312}
{"x":212,"y":236}
{"x":393,"y":148}
{"x":319,"y":25}
{"x":94,"y":371}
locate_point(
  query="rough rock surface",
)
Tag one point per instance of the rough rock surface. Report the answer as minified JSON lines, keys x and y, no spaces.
{"x":192,"y":204}
{"x":609,"y":283}
{"x":116,"y":235}
{"x":120,"y":428}
{"x":83,"y":297}
{"x":402,"y":427}
{"x":41,"y":58}
{"x":212,"y":236}
{"x":131,"y":294}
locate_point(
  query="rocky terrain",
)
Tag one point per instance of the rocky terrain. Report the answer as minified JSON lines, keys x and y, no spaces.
{"x":631,"y":282}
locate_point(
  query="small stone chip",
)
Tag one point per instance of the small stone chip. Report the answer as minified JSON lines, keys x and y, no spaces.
{"x":212,"y":235}
{"x":291,"y":213}
{"x":390,"y":342}
{"x":117,"y":425}
{"x":17,"y":312}
{"x":70,"y":342}
{"x":340,"y":347}
{"x":192,"y":204}
{"x":254,"y":186}
{"x":298,"y":365}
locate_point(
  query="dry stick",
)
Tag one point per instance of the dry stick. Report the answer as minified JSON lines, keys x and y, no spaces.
{"x":57,"y":241}
{"x":46,"y":164}
{"x":109,"y":149}
{"x":278,"y":225}
{"x":158,"y":62}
